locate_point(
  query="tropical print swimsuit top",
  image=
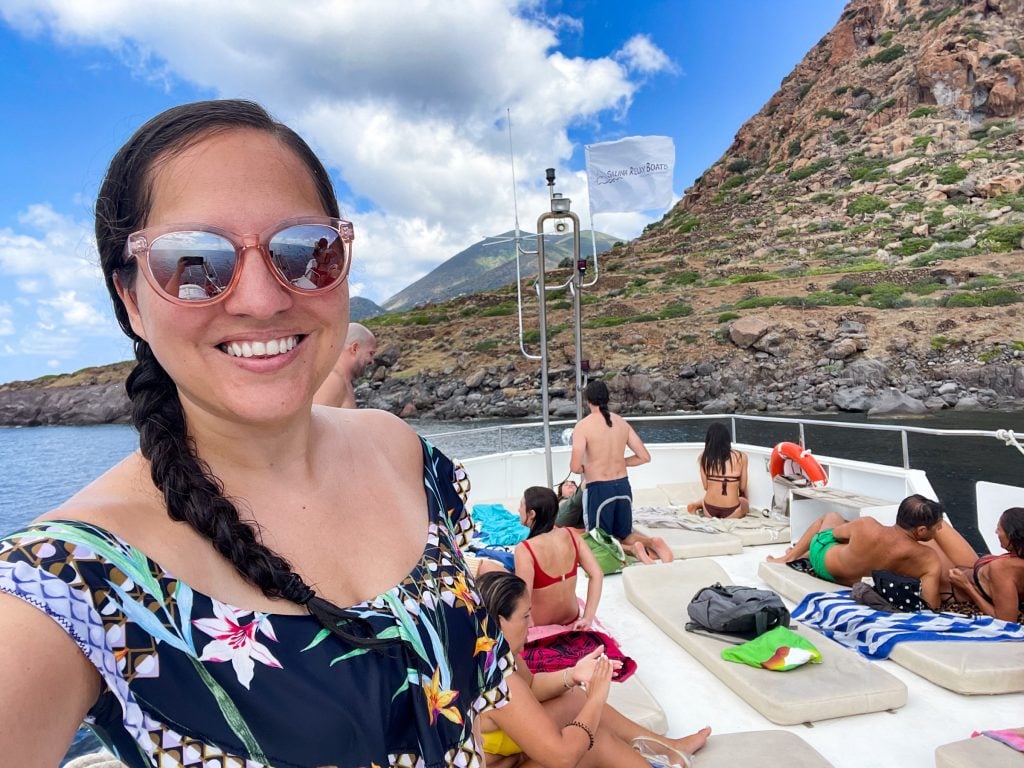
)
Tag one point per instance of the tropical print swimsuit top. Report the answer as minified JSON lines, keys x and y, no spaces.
{"x":190,"y":681}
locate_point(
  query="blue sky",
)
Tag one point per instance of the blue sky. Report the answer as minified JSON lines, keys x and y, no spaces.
{"x":405,"y":100}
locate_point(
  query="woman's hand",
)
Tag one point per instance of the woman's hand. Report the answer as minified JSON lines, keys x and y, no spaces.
{"x":583,"y":672}
{"x":581,"y":624}
{"x":600,"y":679}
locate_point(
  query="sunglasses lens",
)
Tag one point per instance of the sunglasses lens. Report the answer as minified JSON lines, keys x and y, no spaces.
{"x":192,"y":266}
{"x":311,"y":257}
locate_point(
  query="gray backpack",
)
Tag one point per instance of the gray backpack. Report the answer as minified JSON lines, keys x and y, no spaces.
{"x":736,"y":610}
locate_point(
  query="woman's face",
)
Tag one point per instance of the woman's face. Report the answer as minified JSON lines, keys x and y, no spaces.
{"x":568,"y":489}
{"x":244,"y":181}
{"x":1004,"y":540}
{"x":525,"y":515}
{"x":515,"y":626}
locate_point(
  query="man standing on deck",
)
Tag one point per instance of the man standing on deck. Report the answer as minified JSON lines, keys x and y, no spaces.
{"x":599,"y":445}
{"x":845,"y":552}
{"x":356,"y":356}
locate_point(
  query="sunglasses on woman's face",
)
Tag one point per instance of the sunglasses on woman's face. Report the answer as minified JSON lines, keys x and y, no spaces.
{"x":198,"y":265}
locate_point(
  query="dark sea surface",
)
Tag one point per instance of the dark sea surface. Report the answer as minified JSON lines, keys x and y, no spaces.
{"x":41,"y":467}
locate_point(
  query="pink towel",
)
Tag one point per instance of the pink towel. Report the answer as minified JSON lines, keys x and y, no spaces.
{"x":1011,"y":737}
{"x":541,"y":631}
{"x":566,"y":648}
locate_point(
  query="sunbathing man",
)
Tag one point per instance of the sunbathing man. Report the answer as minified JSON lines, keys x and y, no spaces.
{"x":845,"y":552}
{"x":356,"y":356}
{"x":599,"y":445}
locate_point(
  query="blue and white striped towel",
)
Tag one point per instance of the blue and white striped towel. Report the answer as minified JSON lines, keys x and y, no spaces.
{"x":875,"y":633}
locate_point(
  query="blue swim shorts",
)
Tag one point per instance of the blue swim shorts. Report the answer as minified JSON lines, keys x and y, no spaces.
{"x":609,"y":506}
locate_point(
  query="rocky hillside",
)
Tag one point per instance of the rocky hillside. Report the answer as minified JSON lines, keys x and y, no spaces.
{"x":858,"y":247}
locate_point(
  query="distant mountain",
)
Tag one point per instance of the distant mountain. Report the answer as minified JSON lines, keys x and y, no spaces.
{"x":360,"y":309}
{"x":488,"y":265}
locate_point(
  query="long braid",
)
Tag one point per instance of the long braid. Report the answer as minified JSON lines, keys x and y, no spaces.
{"x":193,"y":495}
{"x":606,"y":413}
{"x":191,"y":492}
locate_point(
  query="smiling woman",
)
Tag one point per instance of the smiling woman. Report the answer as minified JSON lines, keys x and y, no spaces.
{"x":240,"y":531}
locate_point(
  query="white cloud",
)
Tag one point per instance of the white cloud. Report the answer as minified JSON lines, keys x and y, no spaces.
{"x":640,"y":54}
{"x":405,"y":99}
{"x":72,"y":311}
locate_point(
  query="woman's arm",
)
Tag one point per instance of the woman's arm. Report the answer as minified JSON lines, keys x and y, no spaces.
{"x":1005,"y":599}
{"x":703,"y":474}
{"x":743,"y":474}
{"x":595,"y":583}
{"x":46,"y":686}
{"x":526,"y":722}
{"x":524,"y":569}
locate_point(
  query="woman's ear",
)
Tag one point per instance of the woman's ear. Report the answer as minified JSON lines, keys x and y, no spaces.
{"x":131,"y":306}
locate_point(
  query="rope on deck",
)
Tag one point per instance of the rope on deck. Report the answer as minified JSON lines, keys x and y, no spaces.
{"x":1009,"y":438}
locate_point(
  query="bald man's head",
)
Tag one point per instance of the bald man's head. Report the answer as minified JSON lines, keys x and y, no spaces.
{"x":361,"y":346}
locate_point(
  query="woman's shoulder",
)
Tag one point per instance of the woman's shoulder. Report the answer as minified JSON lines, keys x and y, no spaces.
{"x":372,"y":430}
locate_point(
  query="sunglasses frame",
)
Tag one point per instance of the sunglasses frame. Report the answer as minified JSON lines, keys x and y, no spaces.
{"x":137,"y":247}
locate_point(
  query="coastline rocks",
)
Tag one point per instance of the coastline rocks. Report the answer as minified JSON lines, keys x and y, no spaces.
{"x":81,"y":406}
{"x":893,"y":402}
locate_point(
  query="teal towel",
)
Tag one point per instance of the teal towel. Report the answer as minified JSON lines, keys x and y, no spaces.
{"x":498,"y":526}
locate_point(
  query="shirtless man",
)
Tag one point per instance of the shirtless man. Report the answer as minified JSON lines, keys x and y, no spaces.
{"x":599,"y":445}
{"x":845,"y":552}
{"x":356,"y":356}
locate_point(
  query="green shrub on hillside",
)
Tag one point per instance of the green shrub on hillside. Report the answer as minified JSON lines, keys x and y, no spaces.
{"x":885,"y":38}
{"x":960,"y":300}
{"x":780,"y":167}
{"x":794,"y":148}
{"x":809,"y":169}
{"x":678,"y":309}
{"x":739,"y":165}
{"x":681,"y":278}
{"x":840,"y":138}
{"x":923,"y":112}
{"x":499,"y":310}
{"x":866,"y":204}
{"x":1003,"y":237}
{"x":756,"y":277}
{"x":939,"y":343}
{"x":725,"y":317}
{"x":884,"y":105}
{"x":834,"y":114}
{"x":924,"y":287}
{"x":913,"y":245}
{"x":734,"y":181}
{"x":887,"y":296}
{"x":950,"y":174}
{"x":920,"y":142}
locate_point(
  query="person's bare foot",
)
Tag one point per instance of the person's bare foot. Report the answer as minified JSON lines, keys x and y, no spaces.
{"x":641,"y":554}
{"x":663,"y":551}
{"x":783,"y":559}
{"x":693,"y":742}
{"x":693,"y":506}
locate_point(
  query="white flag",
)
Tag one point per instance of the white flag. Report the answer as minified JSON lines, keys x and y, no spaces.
{"x":631,"y":174}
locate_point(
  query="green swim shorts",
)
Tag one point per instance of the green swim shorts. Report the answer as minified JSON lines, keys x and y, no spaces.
{"x":820,"y":544}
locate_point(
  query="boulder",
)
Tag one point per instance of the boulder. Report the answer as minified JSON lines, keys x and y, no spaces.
{"x":746,"y":330}
{"x":893,"y":402}
{"x":841,"y":349}
{"x":853,"y":399}
{"x":867,"y":370}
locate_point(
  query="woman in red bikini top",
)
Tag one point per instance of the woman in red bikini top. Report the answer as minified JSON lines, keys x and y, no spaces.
{"x":995,"y":583}
{"x":548,"y":561}
{"x":723,"y":473}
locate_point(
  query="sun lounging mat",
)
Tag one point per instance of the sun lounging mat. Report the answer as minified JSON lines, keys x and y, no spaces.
{"x":691,"y":543}
{"x":753,"y":530}
{"x":765,"y":749}
{"x":979,"y":751}
{"x":963,"y":667}
{"x":843,"y":684}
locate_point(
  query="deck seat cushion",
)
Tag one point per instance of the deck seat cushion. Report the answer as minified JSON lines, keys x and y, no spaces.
{"x":764,"y":749}
{"x":979,"y":751}
{"x":843,"y":684}
{"x":963,"y":666}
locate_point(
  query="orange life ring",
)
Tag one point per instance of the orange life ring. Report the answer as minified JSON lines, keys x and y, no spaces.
{"x":802,"y":456}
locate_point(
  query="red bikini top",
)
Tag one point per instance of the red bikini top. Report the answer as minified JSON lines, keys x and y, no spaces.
{"x":540,"y":578}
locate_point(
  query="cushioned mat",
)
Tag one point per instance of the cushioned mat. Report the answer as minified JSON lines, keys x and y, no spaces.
{"x":979,"y":752}
{"x":843,"y":684}
{"x":963,"y":667}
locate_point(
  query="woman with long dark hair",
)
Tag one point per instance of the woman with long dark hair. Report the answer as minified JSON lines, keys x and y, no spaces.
{"x":561,"y":718}
{"x":263,"y":582}
{"x":995,"y":583}
{"x":723,"y":473}
{"x":548,"y":561}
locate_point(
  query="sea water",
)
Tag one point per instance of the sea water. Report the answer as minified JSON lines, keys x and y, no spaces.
{"x":41,"y":467}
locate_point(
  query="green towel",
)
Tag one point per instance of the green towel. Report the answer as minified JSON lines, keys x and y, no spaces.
{"x":779,"y":649}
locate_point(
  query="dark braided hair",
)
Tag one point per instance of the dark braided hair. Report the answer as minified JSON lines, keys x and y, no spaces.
{"x":1012,"y":523}
{"x":717,"y":450}
{"x":597,"y":394}
{"x":191,"y":492}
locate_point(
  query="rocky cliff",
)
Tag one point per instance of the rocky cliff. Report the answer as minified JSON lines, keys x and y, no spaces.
{"x":858,"y":247}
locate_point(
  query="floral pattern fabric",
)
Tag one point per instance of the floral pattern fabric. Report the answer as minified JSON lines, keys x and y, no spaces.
{"x":190,"y":681}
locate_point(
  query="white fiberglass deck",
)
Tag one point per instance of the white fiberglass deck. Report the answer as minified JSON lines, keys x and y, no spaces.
{"x":692,"y":697}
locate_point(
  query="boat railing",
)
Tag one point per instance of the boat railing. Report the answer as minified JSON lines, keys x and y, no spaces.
{"x":502,"y":431}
